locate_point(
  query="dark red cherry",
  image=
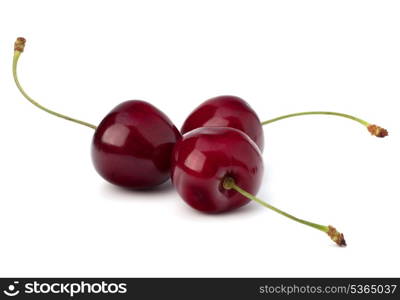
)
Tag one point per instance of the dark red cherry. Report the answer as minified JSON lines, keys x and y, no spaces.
{"x":226,"y":111}
{"x":132,"y":146}
{"x":207,"y":155}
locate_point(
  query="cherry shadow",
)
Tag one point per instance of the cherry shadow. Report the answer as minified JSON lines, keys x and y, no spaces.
{"x":158,"y":193}
{"x":155,"y":193}
{"x":247,"y":210}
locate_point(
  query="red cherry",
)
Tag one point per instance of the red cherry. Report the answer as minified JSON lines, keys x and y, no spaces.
{"x":132,"y":146}
{"x":204,"y":157}
{"x":226,"y":111}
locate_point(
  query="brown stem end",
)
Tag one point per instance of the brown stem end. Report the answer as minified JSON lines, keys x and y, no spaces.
{"x":377,"y":131}
{"x":19,"y":44}
{"x":228,"y":182}
{"x":336,"y":236}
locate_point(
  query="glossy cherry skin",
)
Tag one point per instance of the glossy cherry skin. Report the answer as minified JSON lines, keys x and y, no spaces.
{"x":204,"y":157}
{"x":133,"y":144}
{"x":226,"y":111}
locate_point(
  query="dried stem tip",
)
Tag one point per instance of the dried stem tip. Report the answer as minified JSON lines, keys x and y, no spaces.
{"x":336,"y":236}
{"x":228,"y":183}
{"x":377,"y":131}
{"x":19,"y":44}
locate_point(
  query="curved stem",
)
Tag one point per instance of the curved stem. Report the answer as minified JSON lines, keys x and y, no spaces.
{"x":19,"y":47}
{"x":365,"y":123}
{"x":373,"y":129}
{"x":337,"y":237}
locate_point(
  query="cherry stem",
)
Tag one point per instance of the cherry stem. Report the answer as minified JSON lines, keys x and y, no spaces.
{"x":373,"y":129}
{"x":337,"y":237}
{"x":18,"y":49}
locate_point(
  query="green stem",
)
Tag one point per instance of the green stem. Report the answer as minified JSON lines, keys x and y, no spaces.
{"x":373,"y":129}
{"x":17,"y":54}
{"x":229,"y":183}
{"x":365,"y":123}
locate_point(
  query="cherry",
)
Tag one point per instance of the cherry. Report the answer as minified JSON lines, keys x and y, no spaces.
{"x":204,"y":157}
{"x":226,"y":111}
{"x":218,"y":169}
{"x":132,"y":146}
{"x":232,"y":111}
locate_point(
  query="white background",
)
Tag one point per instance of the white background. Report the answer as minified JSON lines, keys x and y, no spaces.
{"x":59,"y":218}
